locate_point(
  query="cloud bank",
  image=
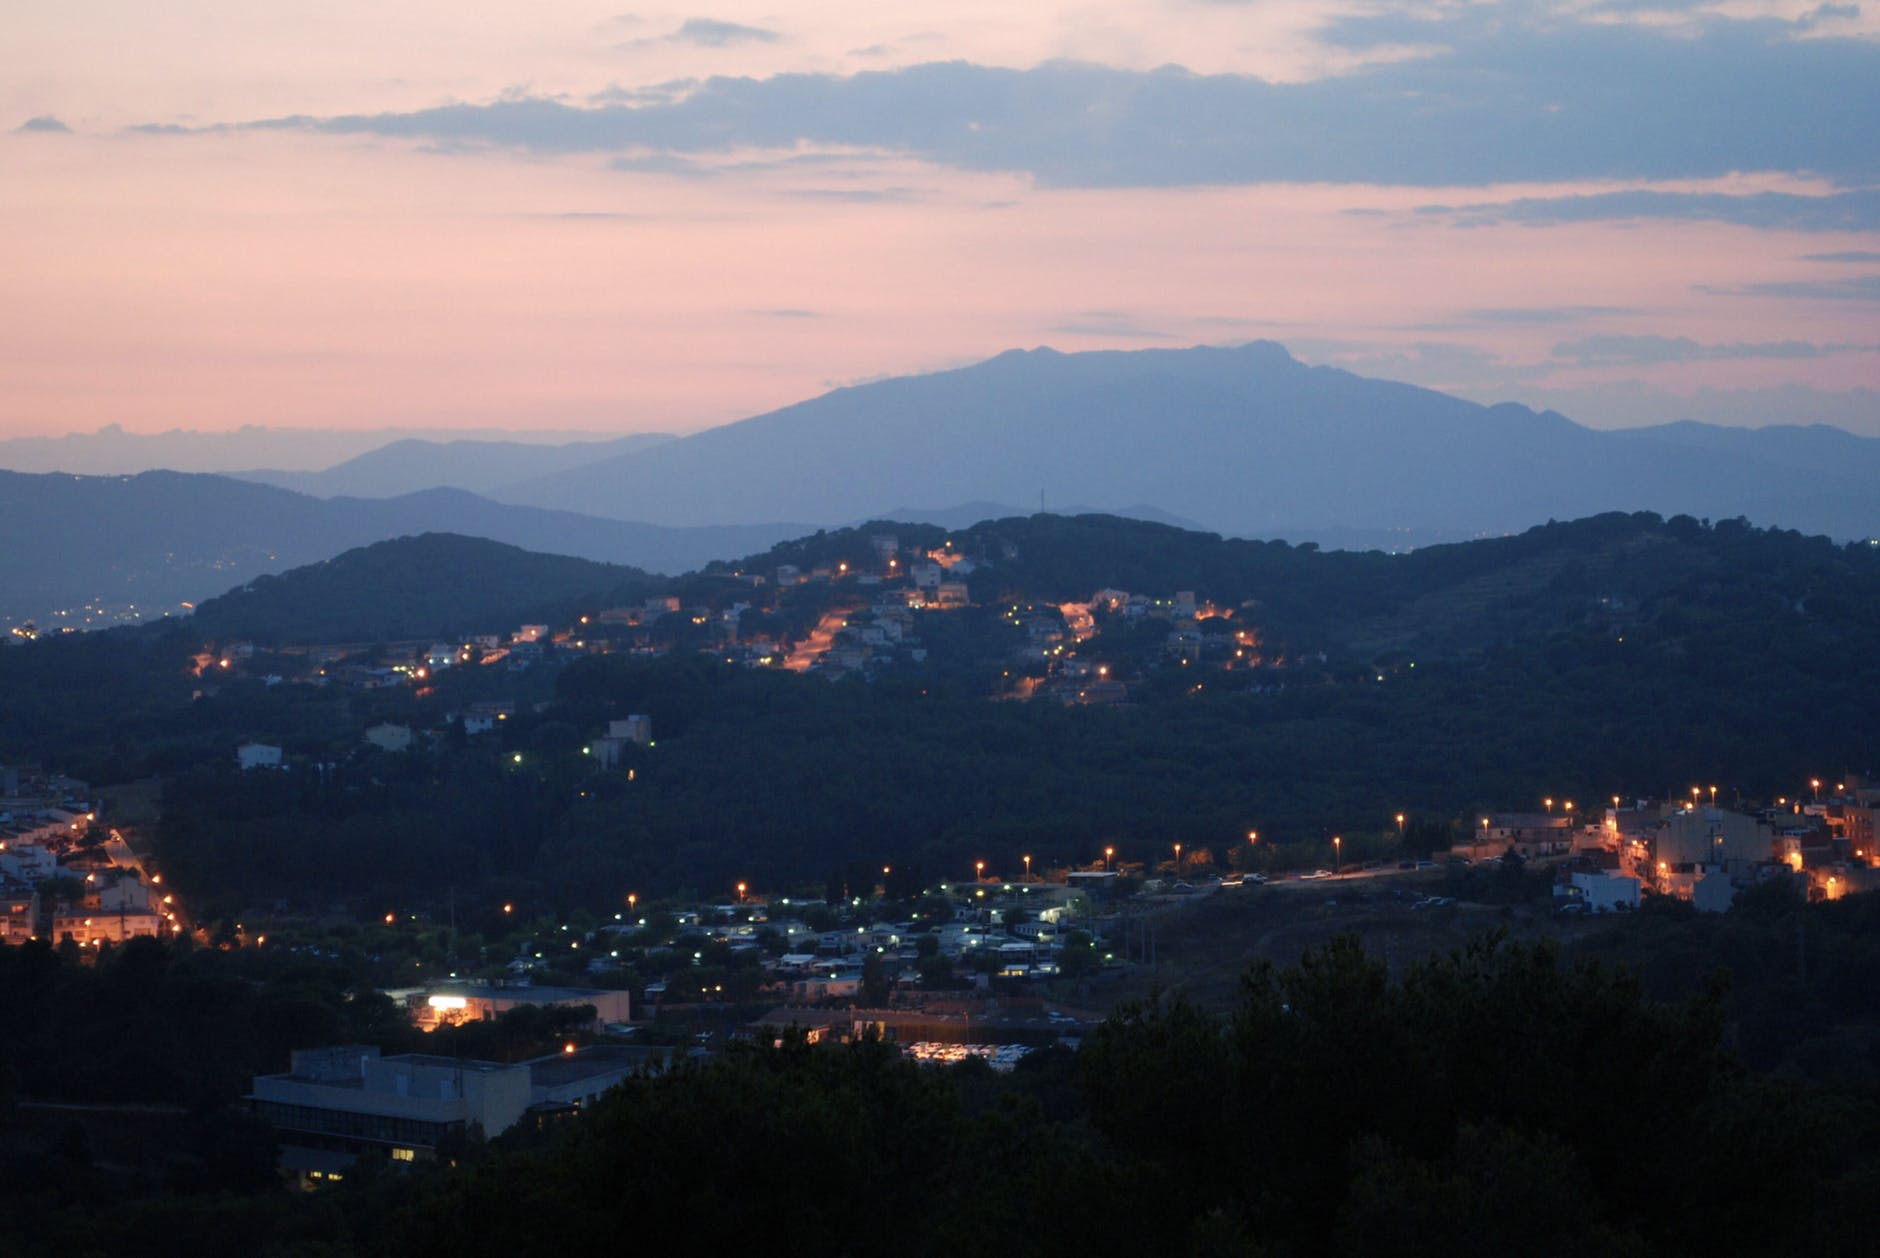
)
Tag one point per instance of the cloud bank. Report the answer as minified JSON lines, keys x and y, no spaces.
{"x":1510,"y":101}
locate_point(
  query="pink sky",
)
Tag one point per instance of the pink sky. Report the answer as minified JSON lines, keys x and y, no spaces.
{"x":292,"y":278}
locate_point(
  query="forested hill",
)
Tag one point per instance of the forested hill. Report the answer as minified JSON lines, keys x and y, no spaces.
{"x":436,"y":584}
{"x":1434,"y":600}
{"x":1621,"y":654}
{"x":1620,"y":568}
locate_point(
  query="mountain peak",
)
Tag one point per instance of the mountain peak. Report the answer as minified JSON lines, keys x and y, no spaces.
{"x":1244,"y":440}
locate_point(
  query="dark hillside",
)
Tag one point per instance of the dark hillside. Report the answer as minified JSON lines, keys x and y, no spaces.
{"x":437,"y":584}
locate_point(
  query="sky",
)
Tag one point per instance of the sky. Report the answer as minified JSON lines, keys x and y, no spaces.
{"x":577,"y":216}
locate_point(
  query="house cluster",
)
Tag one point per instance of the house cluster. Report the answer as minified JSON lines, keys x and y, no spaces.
{"x":57,"y":880}
{"x":1054,"y":634}
{"x":1694,"y":849}
{"x":1009,"y":931}
{"x":481,"y":717}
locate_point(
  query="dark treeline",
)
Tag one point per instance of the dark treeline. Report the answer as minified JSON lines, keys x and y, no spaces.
{"x":1491,"y":1101}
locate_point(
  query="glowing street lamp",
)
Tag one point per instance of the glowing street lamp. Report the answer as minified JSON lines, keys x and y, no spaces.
{"x":1178,"y":858}
{"x":741,"y":889}
{"x":1400,"y":825}
{"x":1338,"y":854}
{"x":1027,"y":869}
{"x":1109,"y":854}
{"x":979,"y":871}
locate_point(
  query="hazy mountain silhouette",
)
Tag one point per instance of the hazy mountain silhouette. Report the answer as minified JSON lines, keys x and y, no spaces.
{"x":407,"y":466}
{"x":163,"y":538}
{"x":112,"y":451}
{"x":1245,"y":441}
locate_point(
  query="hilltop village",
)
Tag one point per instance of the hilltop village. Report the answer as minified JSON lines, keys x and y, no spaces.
{"x":832,"y":620}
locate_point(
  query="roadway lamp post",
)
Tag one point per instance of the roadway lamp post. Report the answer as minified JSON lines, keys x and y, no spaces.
{"x":1338,"y":854}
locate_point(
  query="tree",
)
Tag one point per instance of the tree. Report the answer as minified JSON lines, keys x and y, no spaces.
{"x":875,"y":985}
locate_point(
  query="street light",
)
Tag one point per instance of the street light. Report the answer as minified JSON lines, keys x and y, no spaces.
{"x":740,"y":893}
{"x":1028,"y":869}
{"x":1338,"y":854}
{"x":1108,"y":854}
{"x":979,"y":871}
{"x":1400,"y":825}
{"x":1178,"y":860}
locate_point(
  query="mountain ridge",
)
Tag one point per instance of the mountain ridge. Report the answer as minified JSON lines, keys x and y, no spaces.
{"x":162,"y":539}
{"x":1245,"y":441}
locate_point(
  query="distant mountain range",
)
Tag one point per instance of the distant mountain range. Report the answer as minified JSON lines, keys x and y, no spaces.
{"x":162,"y":539}
{"x":1245,"y":442}
{"x":111,"y":451}
{"x":410,"y":465}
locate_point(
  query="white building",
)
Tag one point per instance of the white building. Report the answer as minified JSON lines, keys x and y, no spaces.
{"x":388,"y":737}
{"x":1602,"y":892}
{"x":335,"y":1103}
{"x":258,"y":756}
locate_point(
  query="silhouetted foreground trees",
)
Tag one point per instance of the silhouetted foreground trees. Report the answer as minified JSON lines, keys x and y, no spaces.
{"x":1491,"y":1101}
